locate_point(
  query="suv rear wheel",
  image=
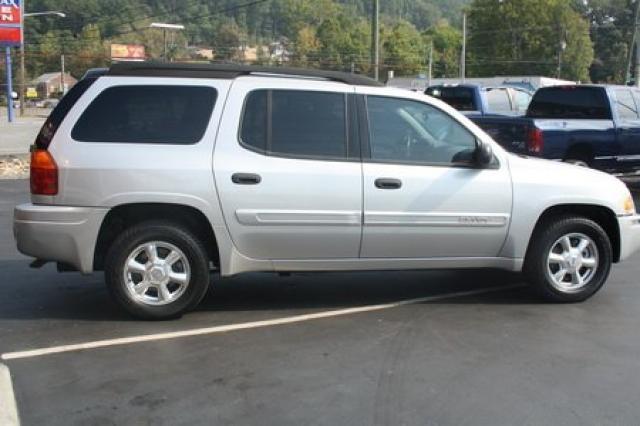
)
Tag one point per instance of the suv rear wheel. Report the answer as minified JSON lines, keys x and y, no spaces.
{"x":569,"y":259}
{"x":157,"y":270}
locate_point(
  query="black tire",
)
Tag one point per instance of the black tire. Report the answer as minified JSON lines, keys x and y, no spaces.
{"x":166,"y":232}
{"x":579,"y":158}
{"x":548,"y":233}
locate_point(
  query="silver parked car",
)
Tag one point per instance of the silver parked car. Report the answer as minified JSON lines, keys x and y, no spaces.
{"x":158,"y":174}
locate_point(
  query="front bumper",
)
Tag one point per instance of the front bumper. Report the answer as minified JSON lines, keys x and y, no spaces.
{"x":58,"y":233}
{"x":629,"y":235}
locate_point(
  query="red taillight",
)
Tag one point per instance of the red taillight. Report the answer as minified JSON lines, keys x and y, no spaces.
{"x":44,"y":173}
{"x":535,"y":141}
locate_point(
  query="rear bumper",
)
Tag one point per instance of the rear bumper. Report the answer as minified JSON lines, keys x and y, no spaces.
{"x":629,"y":235}
{"x":58,"y":233}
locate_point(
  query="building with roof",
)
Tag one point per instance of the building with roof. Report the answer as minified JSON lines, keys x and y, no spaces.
{"x":50,"y":84}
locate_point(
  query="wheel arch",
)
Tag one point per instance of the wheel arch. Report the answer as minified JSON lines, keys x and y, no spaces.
{"x":603,"y":216}
{"x":124,"y":216}
{"x":580,"y":151}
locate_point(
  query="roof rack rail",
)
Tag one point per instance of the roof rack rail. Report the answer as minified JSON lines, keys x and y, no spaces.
{"x":231,"y":71}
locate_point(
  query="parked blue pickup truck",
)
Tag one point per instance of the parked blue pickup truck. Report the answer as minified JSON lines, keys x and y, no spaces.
{"x":474,"y":99}
{"x":590,"y":125}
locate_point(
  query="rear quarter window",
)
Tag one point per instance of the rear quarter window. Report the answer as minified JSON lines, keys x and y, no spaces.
{"x":570,"y":102}
{"x":461,"y":98}
{"x":60,"y":112}
{"x":147,"y":114}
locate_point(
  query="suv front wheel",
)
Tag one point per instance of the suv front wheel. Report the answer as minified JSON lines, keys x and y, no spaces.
{"x":157,"y":270}
{"x":569,"y":259}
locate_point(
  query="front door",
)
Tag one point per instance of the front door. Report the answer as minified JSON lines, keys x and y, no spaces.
{"x":423,"y":198}
{"x":290,"y":179}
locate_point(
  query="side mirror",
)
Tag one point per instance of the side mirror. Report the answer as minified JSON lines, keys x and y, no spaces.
{"x":483,"y":154}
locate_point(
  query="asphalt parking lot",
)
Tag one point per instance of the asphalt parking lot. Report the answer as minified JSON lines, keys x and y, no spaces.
{"x":475,"y":348}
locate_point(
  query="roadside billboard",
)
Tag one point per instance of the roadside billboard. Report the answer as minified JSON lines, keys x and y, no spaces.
{"x":10,"y":22}
{"x":127,"y":52}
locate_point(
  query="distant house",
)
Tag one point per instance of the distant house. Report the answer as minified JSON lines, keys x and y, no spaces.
{"x":201,"y":52}
{"x":280,"y":51}
{"x":49,"y":85}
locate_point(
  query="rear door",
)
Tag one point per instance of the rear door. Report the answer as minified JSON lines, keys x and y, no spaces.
{"x":628,"y":129}
{"x":288,"y":172}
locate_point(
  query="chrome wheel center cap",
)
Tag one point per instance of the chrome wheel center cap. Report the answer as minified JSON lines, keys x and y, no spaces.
{"x":158,"y":274}
{"x":574,"y":260}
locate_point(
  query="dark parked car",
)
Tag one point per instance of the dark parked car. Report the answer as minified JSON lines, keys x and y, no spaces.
{"x":590,"y":125}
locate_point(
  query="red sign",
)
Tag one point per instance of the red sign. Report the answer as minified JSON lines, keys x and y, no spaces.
{"x":10,"y":22}
{"x":131,"y":52}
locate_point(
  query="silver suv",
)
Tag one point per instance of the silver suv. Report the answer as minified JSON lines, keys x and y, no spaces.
{"x":158,"y":174}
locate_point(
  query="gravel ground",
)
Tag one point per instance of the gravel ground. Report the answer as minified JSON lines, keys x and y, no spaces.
{"x":14,"y":166}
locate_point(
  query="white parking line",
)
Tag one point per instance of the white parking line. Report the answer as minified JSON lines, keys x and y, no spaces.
{"x":241,"y":326}
{"x":8,"y":408}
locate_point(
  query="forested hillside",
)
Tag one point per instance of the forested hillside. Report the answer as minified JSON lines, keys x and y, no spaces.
{"x":574,"y":39}
{"x":328,"y":33}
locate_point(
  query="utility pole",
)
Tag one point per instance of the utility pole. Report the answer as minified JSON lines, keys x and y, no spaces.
{"x":22,"y":91}
{"x":637,"y":82}
{"x":463,"y":56}
{"x":430,"y":73}
{"x":164,"y":54}
{"x":7,"y":57}
{"x":561,"y":48}
{"x":166,"y":27}
{"x":375,"y":39}
{"x":62,"y":85}
{"x":634,"y":40}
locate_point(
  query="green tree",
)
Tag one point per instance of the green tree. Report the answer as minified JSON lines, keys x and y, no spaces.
{"x":344,"y":43}
{"x":611,"y":26}
{"x":528,"y":37}
{"x":403,"y":49}
{"x":87,"y":51}
{"x":447,"y":44}
{"x":229,"y":41}
{"x":293,"y":15}
{"x":307,"y":46}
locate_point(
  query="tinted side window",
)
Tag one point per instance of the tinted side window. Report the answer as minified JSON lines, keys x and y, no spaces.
{"x":461,"y":98}
{"x":413,"y":132}
{"x":570,"y":102}
{"x":254,"y":121}
{"x":147,"y":114}
{"x":296,"y":123}
{"x":498,"y":100}
{"x":625,"y":105}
